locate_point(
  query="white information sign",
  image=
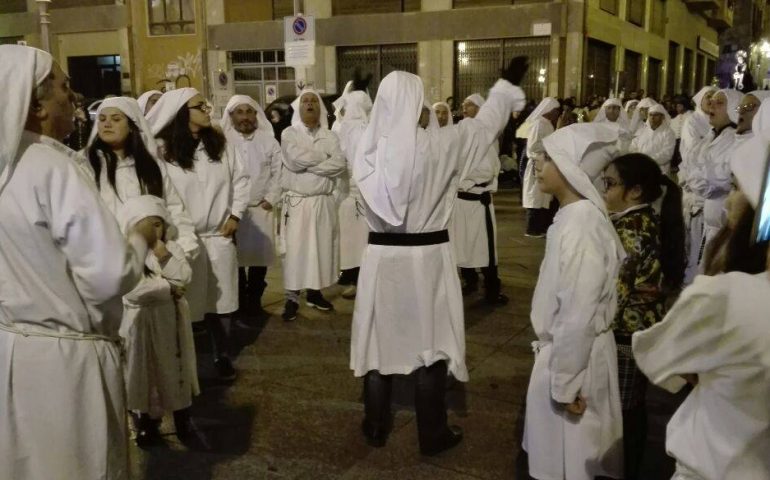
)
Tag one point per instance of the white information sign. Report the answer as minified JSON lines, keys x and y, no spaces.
{"x":299,"y":40}
{"x":271,"y":93}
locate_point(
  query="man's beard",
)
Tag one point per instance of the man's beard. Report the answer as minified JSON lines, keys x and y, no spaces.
{"x":247,"y":128}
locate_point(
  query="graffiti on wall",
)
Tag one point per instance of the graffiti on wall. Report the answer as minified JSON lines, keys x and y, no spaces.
{"x":177,"y":72}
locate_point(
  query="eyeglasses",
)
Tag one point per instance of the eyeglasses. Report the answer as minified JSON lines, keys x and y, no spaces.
{"x":203,"y":107}
{"x":610,"y":182}
{"x":750,"y":107}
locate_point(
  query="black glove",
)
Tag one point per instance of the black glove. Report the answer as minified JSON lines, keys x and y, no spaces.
{"x":516,"y":69}
{"x":359,"y":81}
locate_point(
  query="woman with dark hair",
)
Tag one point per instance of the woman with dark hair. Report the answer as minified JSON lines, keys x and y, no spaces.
{"x":215,"y":189}
{"x":652,"y":270}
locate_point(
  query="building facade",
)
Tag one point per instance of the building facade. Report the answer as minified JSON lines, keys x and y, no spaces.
{"x":577,"y":47}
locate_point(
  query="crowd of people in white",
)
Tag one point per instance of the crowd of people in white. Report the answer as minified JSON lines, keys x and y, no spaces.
{"x":166,"y":220}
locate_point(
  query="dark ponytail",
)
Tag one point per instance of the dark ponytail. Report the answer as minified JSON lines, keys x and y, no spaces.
{"x":733,"y":249}
{"x":180,"y":145}
{"x":639,"y":169}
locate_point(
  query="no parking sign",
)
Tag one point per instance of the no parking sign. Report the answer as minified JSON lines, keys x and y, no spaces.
{"x":299,"y":40}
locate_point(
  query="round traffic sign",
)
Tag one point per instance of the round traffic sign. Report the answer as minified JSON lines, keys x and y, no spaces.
{"x":299,"y":26}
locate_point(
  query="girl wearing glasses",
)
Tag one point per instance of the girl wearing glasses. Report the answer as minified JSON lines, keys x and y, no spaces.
{"x":652,"y":271}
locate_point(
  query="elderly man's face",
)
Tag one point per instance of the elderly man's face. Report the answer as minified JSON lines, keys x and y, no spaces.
{"x":746,"y":111}
{"x":470,"y":109}
{"x":656,"y":120}
{"x":442,"y":115}
{"x":310,"y":110}
{"x":612,"y":112}
{"x":244,"y":119}
{"x":58,"y":106}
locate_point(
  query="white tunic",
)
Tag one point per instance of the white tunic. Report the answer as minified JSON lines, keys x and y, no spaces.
{"x":161,"y":374}
{"x":572,"y":311}
{"x":262,"y":158}
{"x":532,"y":196}
{"x":65,"y":265}
{"x":677,"y":123}
{"x":717,"y":330}
{"x":409,"y":310}
{"x":695,"y":127}
{"x":311,"y":161}
{"x":658,"y":144}
{"x":354,"y":231}
{"x":468,"y":226}
{"x":211,"y":192}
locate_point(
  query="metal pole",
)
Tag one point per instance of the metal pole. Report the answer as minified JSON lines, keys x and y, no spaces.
{"x":297,"y":7}
{"x":45,"y":20}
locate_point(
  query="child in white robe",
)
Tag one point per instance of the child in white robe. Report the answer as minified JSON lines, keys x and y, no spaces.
{"x":160,"y":369}
{"x":573,"y":424}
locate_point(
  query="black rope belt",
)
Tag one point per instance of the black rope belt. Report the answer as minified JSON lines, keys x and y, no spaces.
{"x":409,"y":239}
{"x":486,"y":200}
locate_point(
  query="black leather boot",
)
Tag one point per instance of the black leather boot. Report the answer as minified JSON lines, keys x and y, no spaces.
{"x":430,"y":389}
{"x":377,"y":420}
{"x":147,"y":432}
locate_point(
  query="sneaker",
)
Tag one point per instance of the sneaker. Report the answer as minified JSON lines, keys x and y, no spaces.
{"x":224,"y":367}
{"x":349,"y":293}
{"x":290,"y":311}
{"x":319,"y":302}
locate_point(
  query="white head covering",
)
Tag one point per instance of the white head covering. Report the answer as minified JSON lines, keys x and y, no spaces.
{"x":601,"y":117}
{"x":582,"y":151}
{"x":164,"y":112}
{"x":448,"y":108}
{"x":296,"y":120}
{"x":636,"y":121}
{"x":357,"y":106}
{"x":658,"y":108}
{"x":391,"y":139}
{"x":748,"y":161}
{"x":734,"y":98}
{"x":130,"y":109}
{"x":21,"y":70}
{"x":698,"y":98}
{"x":339,"y":104}
{"x":760,"y":95}
{"x":263,"y":124}
{"x":145,"y":97}
{"x":546,"y":105}
{"x":630,"y":104}
{"x":138,"y":208}
{"x":476,"y":99}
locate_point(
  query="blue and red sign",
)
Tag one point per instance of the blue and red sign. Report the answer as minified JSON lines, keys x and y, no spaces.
{"x":299,"y":26}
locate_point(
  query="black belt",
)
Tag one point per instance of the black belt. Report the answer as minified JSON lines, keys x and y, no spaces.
{"x":486,"y":200}
{"x":409,"y":239}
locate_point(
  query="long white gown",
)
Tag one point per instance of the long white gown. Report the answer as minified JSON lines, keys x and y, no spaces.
{"x":573,"y":308}
{"x":533,"y":197}
{"x":311,"y":162}
{"x":211,"y":192}
{"x":658,"y":144}
{"x":409,"y":312}
{"x":65,"y":266}
{"x":718,"y":329}
{"x":262,"y":158}
{"x":354,"y":231}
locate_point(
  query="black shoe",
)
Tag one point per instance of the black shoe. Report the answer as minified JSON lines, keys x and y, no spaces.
{"x":497,"y":301}
{"x":290,"y":311}
{"x":318,"y":301}
{"x":451,"y":437}
{"x":189,"y":434}
{"x":470,"y":288}
{"x":224,"y":367}
{"x":375,"y":436}
{"x":147,"y":430}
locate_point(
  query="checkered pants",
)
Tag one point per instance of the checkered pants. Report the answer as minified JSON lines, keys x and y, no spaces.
{"x":633,"y":383}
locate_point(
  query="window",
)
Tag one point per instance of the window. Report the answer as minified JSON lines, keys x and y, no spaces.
{"x":479,"y":3}
{"x":95,"y":76}
{"x":256,"y":71}
{"x":711,"y":67}
{"x":631,"y":71}
{"x":609,"y":6}
{"x":13,"y":6}
{"x":379,"y":60}
{"x":79,"y":3}
{"x":687,"y":71}
{"x":671,"y":68}
{"x":636,"y":12}
{"x":282,"y":8}
{"x":357,"y":7}
{"x":658,"y":18}
{"x":597,"y":73}
{"x":171,"y":17}
{"x":700,"y":64}
{"x":478,"y":64}
{"x":653,"y":77}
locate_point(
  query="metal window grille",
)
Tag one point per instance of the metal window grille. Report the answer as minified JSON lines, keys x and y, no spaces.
{"x":478,"y":64}
{"x":631,"y":71}
{"x":171,"y":17}
{"x":598,"y":70}
{"x":653,"y":77}
{"x":256,"y":70}
{"x":379,"y":60}
{"x":671,"y":68}
{"x":687,"y":71}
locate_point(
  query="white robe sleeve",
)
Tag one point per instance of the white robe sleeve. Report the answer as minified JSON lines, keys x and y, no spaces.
{"x":297,"y":157}
{"x":665,"y":150}
{"x":102,"y":263}
{"x":718,"y":176}
{"x":275,"y":154}
{"x":177,"y":270}
{"x":186,"y":237}
{"x":149,"y":290}
{"x":334,"y":164}
{"x":581,"y":282}
{"x":241,"y":184}
{"x":690,"y":338}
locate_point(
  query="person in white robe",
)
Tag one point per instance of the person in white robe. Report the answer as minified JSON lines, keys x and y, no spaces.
{"x":354,"y":231}
{"x":656,"y":139}
{"x":709,"y":173}
{"x":612,"y":112}
{"x":147,"y":100}
{"x":339,"y":107}
{"x":408,"y":314}
{"x":65,"y":267}
{"x":542,"y":122}
{"x":473,"y":228}
{"x":443,"y":113}
{"x":715,"y":337}
{"x":639,"y":117}
{"x":210,"y":178}
{"x":573,"y":427}
{"x":694,"y":128}
{"x":160,"y":366}
{"x":631,"y":109}
{"x":247,"y":129}
{"x":312,"y":161}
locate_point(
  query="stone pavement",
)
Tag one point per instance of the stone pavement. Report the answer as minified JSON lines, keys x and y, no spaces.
{"x":295,"y":409}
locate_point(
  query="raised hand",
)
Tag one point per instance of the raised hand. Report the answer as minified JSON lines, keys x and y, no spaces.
{"x":516,"y":69}
{"x":359,"y":81}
